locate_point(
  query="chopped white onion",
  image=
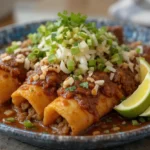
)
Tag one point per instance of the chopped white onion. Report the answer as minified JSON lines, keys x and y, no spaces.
{"x":110,"y":68}
{"x":59,"y":54}
{"x":83,"y":67}
{"x":131,"y":65}
{"x":69,"y":81}
{"x":83,"y":46}
{"x":90,"y":79}
{"x":83,"y":60}
{"x":112,"y":76}
{"x":108,"y":63}
{"x":63,"y":67}
{"x":27,"y":64}
{"x":87,"y":32}
{"x":90,"y":72}
{"x":100,"y":82}
{"x":41,"y":44}
{"x":95,"y":89}
{"x":125,"y":56}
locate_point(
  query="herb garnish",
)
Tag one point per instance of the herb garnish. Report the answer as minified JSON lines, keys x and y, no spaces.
{"x":71,"y":89}
{"x":84,"y":85}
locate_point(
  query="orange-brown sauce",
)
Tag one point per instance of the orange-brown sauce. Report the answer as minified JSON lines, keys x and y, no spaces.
{"x":106,"y":124}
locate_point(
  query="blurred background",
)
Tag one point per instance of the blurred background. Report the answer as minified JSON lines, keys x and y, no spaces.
{"x":23,"y":11}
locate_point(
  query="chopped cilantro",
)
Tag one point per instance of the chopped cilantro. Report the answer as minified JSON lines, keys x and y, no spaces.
{"x":71,"y":89}
{"x":84,"y":85}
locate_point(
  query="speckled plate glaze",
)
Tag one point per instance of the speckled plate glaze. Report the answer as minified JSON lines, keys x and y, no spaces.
{"x":19,"y":32}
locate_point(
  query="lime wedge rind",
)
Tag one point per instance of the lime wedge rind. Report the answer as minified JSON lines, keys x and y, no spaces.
{"x":139,"y":101}
{"x":143,"y":72}
{"x":138,"y":108}
{"x":146,"y":113}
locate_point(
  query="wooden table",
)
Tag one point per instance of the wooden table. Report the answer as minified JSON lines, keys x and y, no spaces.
{"x":9,"y":19}
{"x":34,"y":10}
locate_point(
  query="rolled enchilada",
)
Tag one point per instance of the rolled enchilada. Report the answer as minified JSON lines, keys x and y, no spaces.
{"x":38,"y":91}
{"x":85,"y":72}
{"x":13,"y":68}
{"x":82,"y":107}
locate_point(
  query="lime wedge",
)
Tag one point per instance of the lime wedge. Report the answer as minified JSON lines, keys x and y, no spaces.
{"x":139,"y":101}
{"x":146,"y":113}
{"x":144,"y":68}
{"x":143,"y":71}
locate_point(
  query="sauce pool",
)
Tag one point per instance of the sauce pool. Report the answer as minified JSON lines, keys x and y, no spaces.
{"x":111,"y":123}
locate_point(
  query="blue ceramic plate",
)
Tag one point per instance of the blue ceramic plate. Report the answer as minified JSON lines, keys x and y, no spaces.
{"x":19,"y":32}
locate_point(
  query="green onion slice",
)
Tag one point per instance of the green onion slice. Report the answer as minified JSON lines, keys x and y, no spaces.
{"x":28,"y":124}
{"x":10,"y":119}
{"x":71,"y":65}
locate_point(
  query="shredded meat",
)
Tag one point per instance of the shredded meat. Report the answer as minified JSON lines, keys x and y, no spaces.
{"x":26,"y":43}
{"x":25,"y":106}
{"x":50,"y":84}
{"x":26,"y":112}
{"x":118,"y":32}
{"x":146,"y":53}
{"x":126,"y":79}
{"x":16,"y":70}
{"x":61,"y":127}
{"x":124,"y":84}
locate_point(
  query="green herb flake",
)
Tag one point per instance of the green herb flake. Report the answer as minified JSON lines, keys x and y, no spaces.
{"x":32,"y":57}
{"x":52,"y":58}
{"x":76,"y":77}
{"x":117,"y":58}
{"x":42,"y":29}
{"x":142,"y":120}
{"x":135,"y":123}
{"x":92,"y":63}
{"x":35,"y":38}
{"x":12,"y":48}
{"x":78,"y":72}
{"x":28,"y":124}
{"x":84,"y":85}
{"x":10,"y":119}
{"x":75,"y":50}
{"x":70,"y":65}
{"x":106,"y":70}
{"x":100,"y":67}
{"x":71,"y":89}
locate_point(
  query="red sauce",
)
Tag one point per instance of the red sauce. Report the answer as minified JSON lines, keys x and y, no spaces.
{"x":105,"y":125}
{"x":121,"y":86}
{"x":15,"y":69}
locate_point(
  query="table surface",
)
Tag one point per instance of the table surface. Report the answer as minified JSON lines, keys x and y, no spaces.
{"x":32,"y":10}
{"x":22,"y":13}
